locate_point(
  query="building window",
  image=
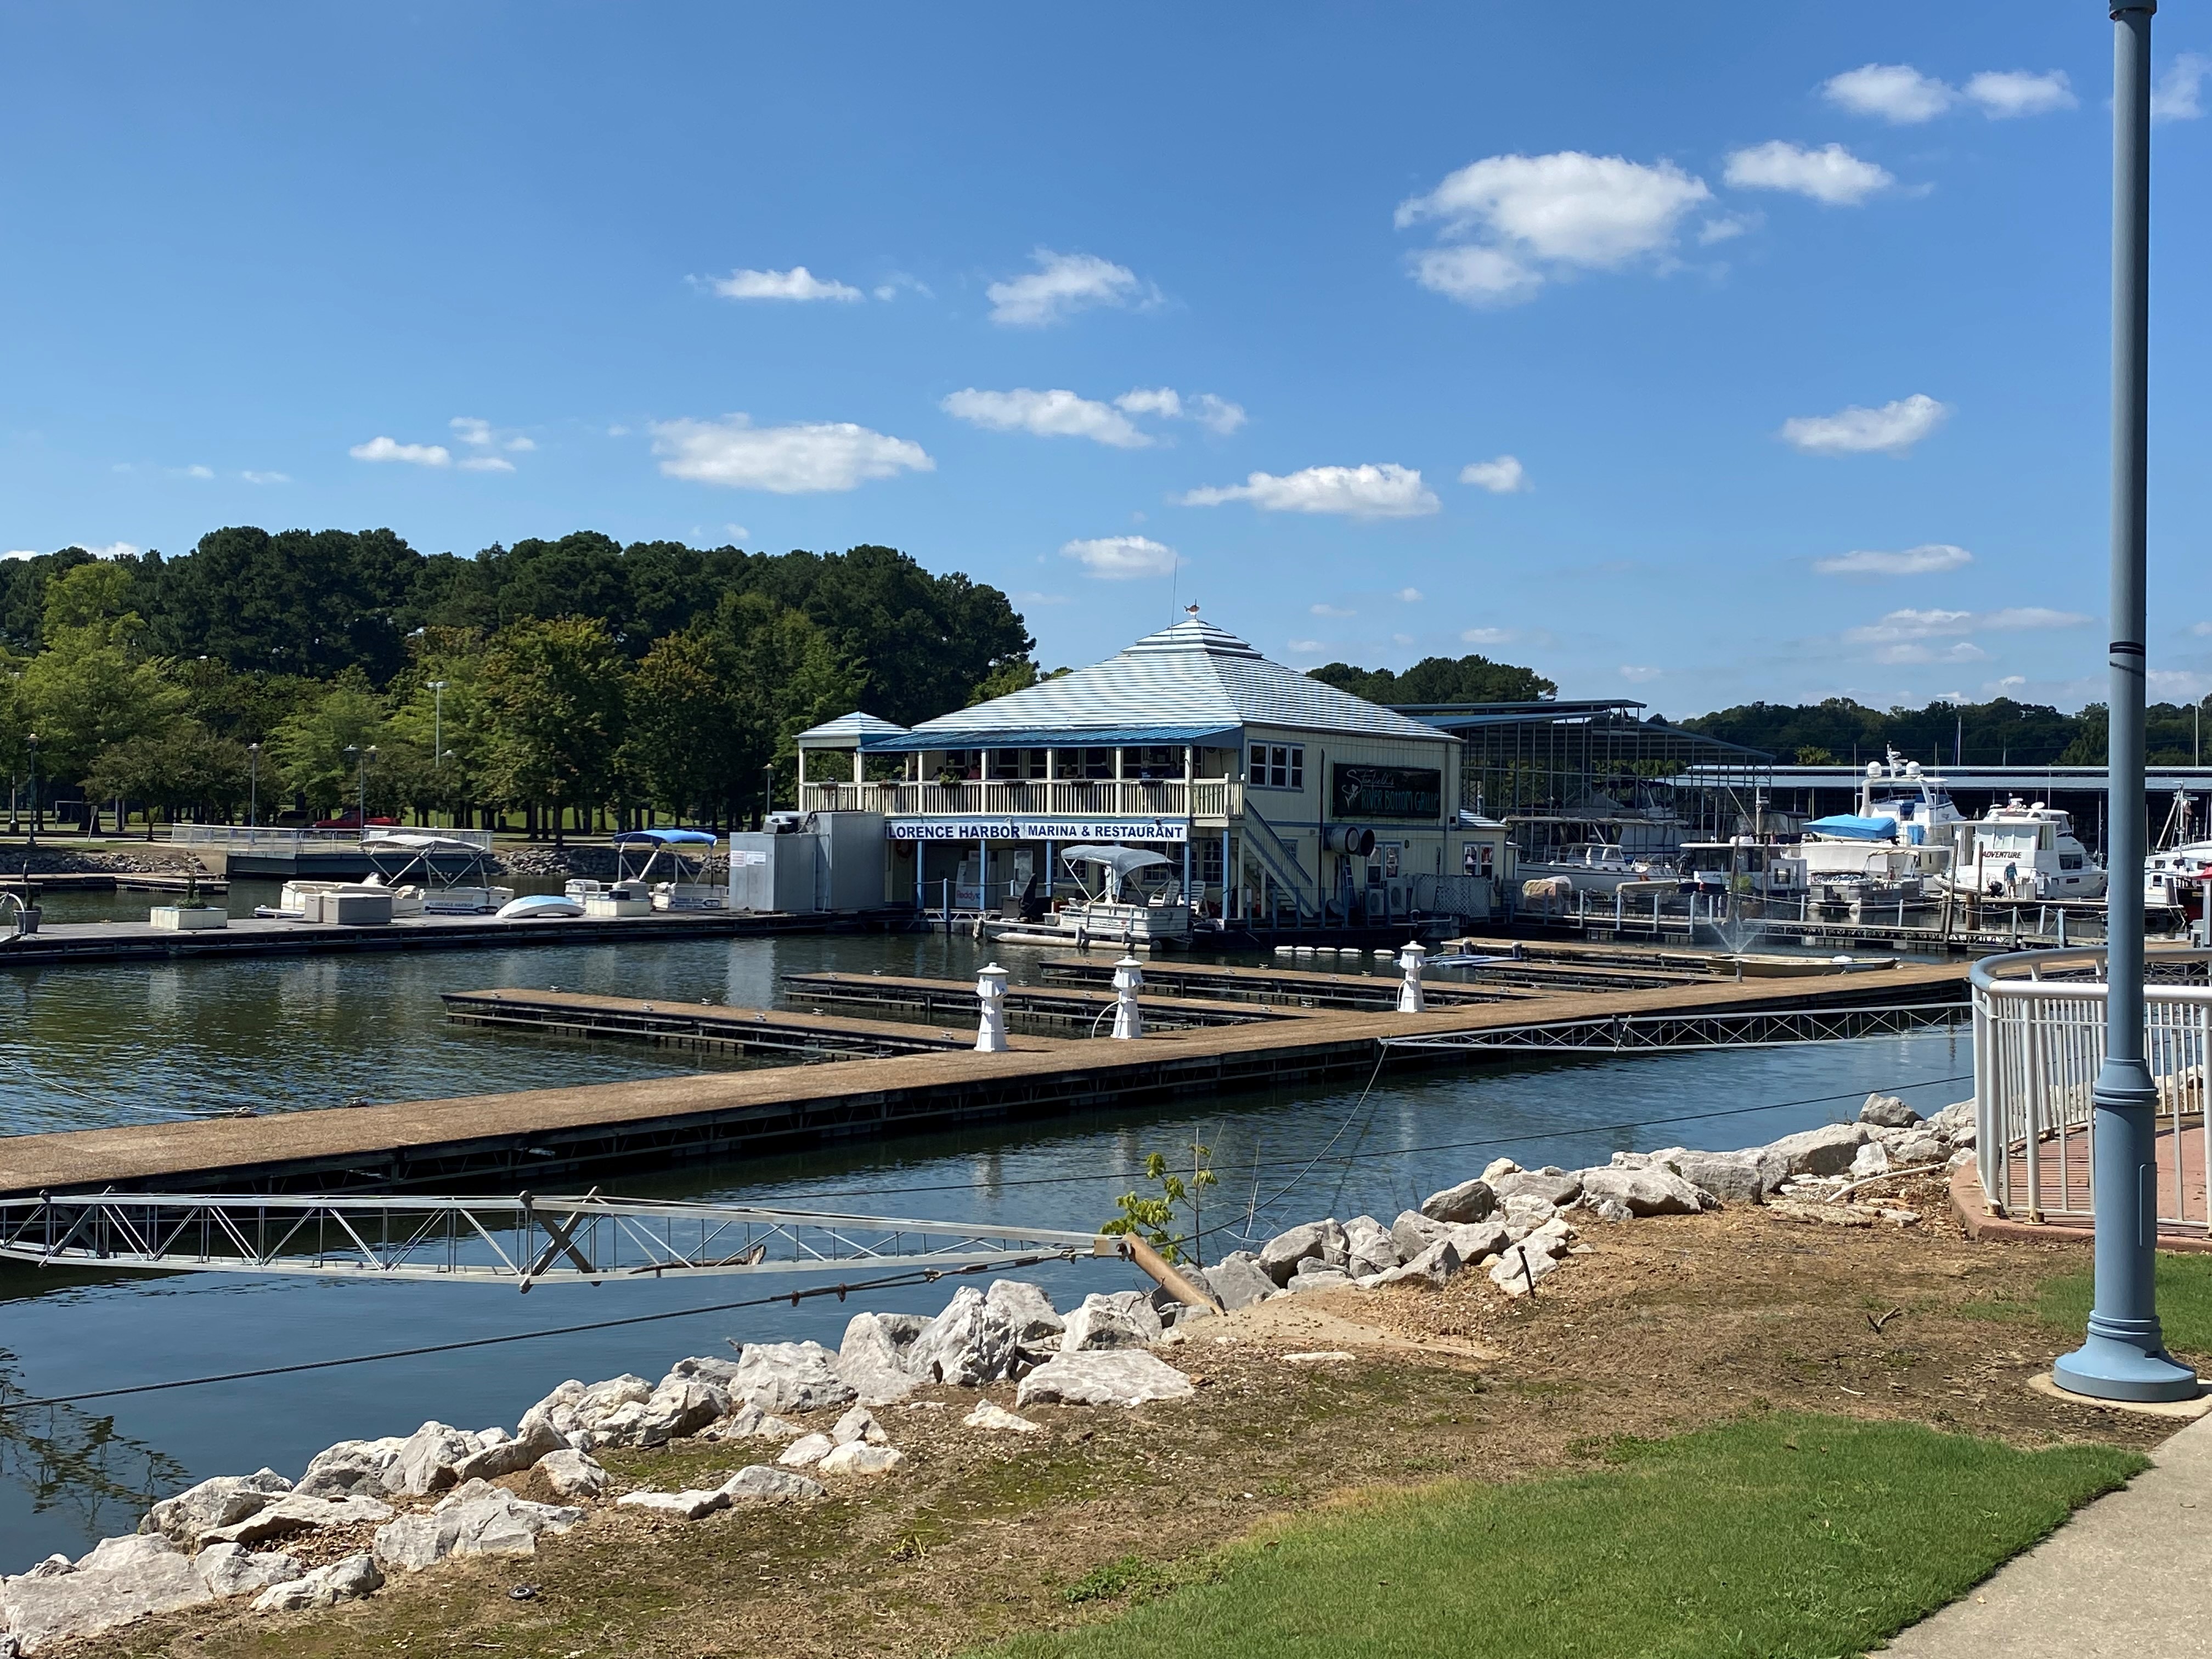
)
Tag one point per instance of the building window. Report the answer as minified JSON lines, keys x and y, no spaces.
{"x":1083,"y":762}
{"x":1279,"y":766}
{"x":1153,"y":764}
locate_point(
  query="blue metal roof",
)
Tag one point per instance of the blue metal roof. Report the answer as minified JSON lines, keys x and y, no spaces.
{"x":1047,"y":737}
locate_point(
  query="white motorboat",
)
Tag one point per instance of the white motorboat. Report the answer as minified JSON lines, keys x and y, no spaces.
{"x":680,"y":857}
{"x":2178,"y":877}
{"x":1746,"y":867}
{"x":2025,"y":851}
{"x":418,"y":868}
{"x":1597,"y":867}
{"x":1120,"y":904}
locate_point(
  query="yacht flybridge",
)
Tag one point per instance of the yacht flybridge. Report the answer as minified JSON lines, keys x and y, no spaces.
{"x":2028,"y":851}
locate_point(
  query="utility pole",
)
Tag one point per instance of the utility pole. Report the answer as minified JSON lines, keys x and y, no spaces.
{"x":252,"y":785}
{"x":2123,"y":1356}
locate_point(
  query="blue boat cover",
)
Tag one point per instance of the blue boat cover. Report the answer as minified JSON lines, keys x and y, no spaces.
{"x":667,"y":837}
{"x":1849,"y":826}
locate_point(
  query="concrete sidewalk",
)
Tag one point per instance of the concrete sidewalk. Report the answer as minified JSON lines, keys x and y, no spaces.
{"x":2130,"y":1575}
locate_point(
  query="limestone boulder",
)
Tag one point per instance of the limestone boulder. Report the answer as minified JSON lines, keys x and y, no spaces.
{"x":1124,"y":1319}
{"x":1434,"y":1267}
{"x":233,"y":1570}
{"x":1314,"y":1275}
{"x":1471,"y":1201}
{"x":510,"y":1455}
{"x":806,"y":1452}
{"x":1827,"y":1151}
{"x":969,"y":1344}
{"x":1237,"y":1281}
{"x":214,"y":1503}
{"x":477,"y":1519}
{"x":1036,"y":1322}
{"x":347,"y":1580}
{"x":1741,"y":1177}
{"x":1476,"y":1239}
{"x":573,"y":1477}
{"x":683,"y":1404}
{"x":690,"y":1504}
{"x":1369,"y":1246}
{"x":859,"y":1457}
{"x":1653,"y":1191}
{"x":296,"y":1513}
{"x":352,"y":1466}
{"x":426,"y":1460}
{"x":1281,"y":1255}
{"x":120,"y":1580}
{"x":1554,"y":1186}
{"x":758,"y":1484}
{"x":791,"y":1377}
{"x":1498,"y":1168}
{"x":1887,"y":1112}
{"x":1871,"y":1160}
{"x":1414,"y":1232}
{"x":859,"y":1424}
{"x":1524,"y":1213}
{"x":1915,"y":1151}
{"x":1957,"y":1116}
{"x":1521,"y":1268}
{"x":873,"y":1359}
{"x":998,"y":1418}
{"x":1125,"y":1376}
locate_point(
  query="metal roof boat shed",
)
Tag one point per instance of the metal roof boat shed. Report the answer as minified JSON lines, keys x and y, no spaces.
{"x":1285,"y":799}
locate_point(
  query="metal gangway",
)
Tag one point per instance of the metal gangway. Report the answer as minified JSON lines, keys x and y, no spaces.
{"x":2038,"y":1042}
{"x":525,"y":1240}
{"x":1676,"y":1033}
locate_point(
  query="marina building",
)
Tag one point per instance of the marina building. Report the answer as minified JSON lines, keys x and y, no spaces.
{"x":1285,"y":801}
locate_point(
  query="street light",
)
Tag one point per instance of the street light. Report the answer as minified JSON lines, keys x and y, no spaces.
{"x":2123,"y":1356}
{"x":767,"y":792}
{"x":361,"y":786}
{"x":438,"y":751}
{"x":31,"y":742}
{"x":252,"y":785}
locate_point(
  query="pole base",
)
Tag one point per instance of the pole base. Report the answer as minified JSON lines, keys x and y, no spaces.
{"x":2103,"y":1368}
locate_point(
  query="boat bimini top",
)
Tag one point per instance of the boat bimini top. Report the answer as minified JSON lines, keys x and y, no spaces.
{"x":1117,"y":863}
{"x":665,"y":837}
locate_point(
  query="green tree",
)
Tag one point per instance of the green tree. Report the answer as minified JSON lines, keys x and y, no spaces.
{"x":185,"y":766}
{"x":441,"y":711}
{"x":686,"y":742}
{"x":557,"y":693}
{"x":1151,"y":1216}
{"x":91,"y":687}
{"x":789,"y":675}
{"x":308,"y":749}
{"x":1471,"y":678}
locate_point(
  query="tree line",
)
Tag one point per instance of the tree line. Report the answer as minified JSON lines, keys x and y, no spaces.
{"x":561,"y":681}
{"x":1839,"y":731}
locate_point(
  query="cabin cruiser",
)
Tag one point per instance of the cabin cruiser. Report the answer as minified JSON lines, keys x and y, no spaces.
{"x":1746,"y":867}
{"x":2027,"y":851}
{"x":1597,"y":867}
{"x":2176,"y":878}
{"x":1127,"y":900}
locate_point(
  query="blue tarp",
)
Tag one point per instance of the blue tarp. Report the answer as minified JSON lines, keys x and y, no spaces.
{"x":1849,"y":826}
{"x":666,"y":837}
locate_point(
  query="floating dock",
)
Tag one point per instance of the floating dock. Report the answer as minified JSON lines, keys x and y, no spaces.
{"x":67,"y":943}
{"x":122,"y":881}
{"x":1062,"y":1010}
{"x":510,"y":1142}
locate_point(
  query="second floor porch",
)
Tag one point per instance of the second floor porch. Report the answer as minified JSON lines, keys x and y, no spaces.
{"x":1216,"y":801}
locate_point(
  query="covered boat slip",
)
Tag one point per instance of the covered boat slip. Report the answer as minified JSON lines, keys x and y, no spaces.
{"x":1279,"y":800}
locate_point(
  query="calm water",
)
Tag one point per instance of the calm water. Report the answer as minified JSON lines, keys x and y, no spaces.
{"x":88,"y":1047}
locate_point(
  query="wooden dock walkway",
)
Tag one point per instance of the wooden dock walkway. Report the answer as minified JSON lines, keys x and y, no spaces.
{"x":712,"y":1027}
{"x":496,"y":1143}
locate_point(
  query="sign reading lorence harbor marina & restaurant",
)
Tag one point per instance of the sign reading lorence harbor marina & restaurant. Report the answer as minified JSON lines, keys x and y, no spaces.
{"x":1028,"y":829}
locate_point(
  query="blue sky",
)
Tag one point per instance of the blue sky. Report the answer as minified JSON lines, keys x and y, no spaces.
{"x":1119,"y":309}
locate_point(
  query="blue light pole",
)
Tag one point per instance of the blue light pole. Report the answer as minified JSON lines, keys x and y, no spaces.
{"x":2124,"y":1356}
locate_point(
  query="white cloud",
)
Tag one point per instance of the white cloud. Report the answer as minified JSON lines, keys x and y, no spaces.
{"x":1895,"y":428}
{"x":1061,"y":285}
{"x":1409,"y":595}
{"x":2003,"y":93}
{"x":797,"y":284}
{"x":1638,"y":676}
{"x":2177,"y":97}
{"x":1506,"y":218}
{"x":390,"y":449}
{"x":487,"y":464}
{"x":199,"y":472}
{"x":1894,"y":92}
{"x":2178,"y":685}
{"x":1055,"y":414}
{"x":482,"y":434}
{"x":1726,"y":227}
{"x":1959,"y":651}
{"x":2203,"y":630}
{"x":1926,"y":560}
{"x":1831,"y":175}
{"x":1307,"y":647}
{"x":1215,"y":414}
{"x":1122,"y":558}
{"x":1487,"y":636}
{"x":1034,"y":598}
{"x":1897,"y":626}
{"x":1503,"y":476}
{"x":804,"y":458}
{"x":111,"y":550}
{"x":266,"y":477}
{"x":1388,"y":491}
{"x":1401,"y":638}
{"x":737,"y":533}
{"x":20,"y":553}
{"x":1330,"y":610}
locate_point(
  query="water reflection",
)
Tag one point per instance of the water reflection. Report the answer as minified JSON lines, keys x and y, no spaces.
{"x":67,"y":1466}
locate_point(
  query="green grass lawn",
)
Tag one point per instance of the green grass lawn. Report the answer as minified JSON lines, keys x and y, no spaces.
{"x":2184,"y":1302}
{"x":1778,"y":1536}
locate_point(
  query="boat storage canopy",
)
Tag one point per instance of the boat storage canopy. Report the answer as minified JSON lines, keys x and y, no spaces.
{"x":1849,"y":826}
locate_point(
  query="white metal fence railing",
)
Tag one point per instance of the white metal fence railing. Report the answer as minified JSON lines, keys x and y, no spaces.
{"x":2039,"y":1042}
{"x":261,"y":838}
{"x":1217,"y":798}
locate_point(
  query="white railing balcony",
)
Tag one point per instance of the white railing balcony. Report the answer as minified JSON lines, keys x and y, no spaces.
{"x":2039,"y":1042}
{"x":1205,"y":800}
{"x":262,"y":838}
